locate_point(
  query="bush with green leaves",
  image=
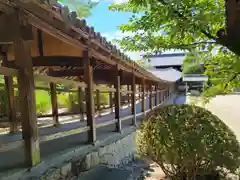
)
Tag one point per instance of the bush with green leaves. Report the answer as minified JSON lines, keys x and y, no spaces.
{"x":188,"y":141}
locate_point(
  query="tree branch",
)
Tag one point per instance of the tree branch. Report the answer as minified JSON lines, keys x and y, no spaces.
{"x":181,"y":15}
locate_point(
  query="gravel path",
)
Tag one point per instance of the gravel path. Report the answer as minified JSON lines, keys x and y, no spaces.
{"x":227,"y":108}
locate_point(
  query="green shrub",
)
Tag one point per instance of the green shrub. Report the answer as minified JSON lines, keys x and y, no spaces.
{"x":188,"y":140}
{"x":43,"y":101}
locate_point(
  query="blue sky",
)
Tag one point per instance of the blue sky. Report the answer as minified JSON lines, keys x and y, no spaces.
{"x":106,"y":22}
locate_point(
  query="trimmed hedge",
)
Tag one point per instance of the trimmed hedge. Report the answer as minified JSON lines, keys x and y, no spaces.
{"x":188,"y":141}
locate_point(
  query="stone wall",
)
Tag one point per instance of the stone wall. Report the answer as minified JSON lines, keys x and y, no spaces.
{"x":113,"y":154}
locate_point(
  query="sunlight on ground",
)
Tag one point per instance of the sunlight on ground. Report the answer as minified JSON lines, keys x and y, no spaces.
{"x":226,"y":107}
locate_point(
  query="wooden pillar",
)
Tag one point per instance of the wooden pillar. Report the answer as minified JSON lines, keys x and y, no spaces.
{"x":98,"y":100}
{"x":111,"y":101}
{"x":150,"y":97}
{"x":117,"y":99}
{"x":143,"y":97}
{"x":133,"y":99}
{"x":139,"y":90}
{"x":88,"y":76}
{"x":27,"y":97}
{"x":80,"y":102}
{"x":9,"y":89}
{"x":54,"y":105}
{"x":156,"y":97}
{"x":10,"y":104}
{"x":129,"y":96}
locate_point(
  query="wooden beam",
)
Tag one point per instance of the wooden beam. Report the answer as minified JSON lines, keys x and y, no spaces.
{"x":57,"y":80}
{"x":8,"y":71}
{"x":133,"y":100}
{"x":46,"y":61}
{"x":117,"y":99}
{"x":88,"y":76}
{"x":54,"y":102}
{"x":27,"y":97}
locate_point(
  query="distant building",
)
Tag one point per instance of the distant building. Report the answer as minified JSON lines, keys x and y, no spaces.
{"x":169,"y":68}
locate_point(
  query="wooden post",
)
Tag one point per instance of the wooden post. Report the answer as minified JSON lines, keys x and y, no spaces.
{"x":150,"y":97}
{"x":111,"y":101}
{"x":10,"y":104}
{"x":80,"y":102}
{"x":88,"y":76}
{"x":129,"y":96}
{"x":143,"y":97}
{"x":134,"y":100}
{"x":98,"y":101}
{"x":156,"y":103}
{"x":117,"y":99}
{"x":139,"y":90}
{"x":10,"y":98}
{"x":27,"y":96}
{"x":56,"y":122}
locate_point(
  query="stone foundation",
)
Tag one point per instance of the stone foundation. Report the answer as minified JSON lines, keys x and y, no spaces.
{"x":113,"y":154}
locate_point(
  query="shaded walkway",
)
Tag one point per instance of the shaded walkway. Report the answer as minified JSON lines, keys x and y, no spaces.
{"x":15,"y":158}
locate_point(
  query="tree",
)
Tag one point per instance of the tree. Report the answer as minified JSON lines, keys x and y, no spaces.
{"x":83,"y":7}
{"x":188,"y":25}
{"x":143,"y":63}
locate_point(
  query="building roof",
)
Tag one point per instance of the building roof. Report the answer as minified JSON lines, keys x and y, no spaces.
{"x":167,"y":74}
{"x":167,"y":59}
{"x":195,"y":78}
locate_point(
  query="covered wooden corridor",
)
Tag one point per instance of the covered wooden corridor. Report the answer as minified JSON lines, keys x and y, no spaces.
{"x":43,"y":42}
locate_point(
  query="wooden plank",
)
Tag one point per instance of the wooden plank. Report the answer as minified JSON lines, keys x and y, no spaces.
{"x":57,"y":80}
{"x":117,"y":99}
{"x":133,"y":86}
{"x":11,"y":146}
{"x":88,"y":76}
{"x":63,"y":134}
{"x":54,"y":102}
{"x":27,"y":97}
{"x":80,"y":102}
